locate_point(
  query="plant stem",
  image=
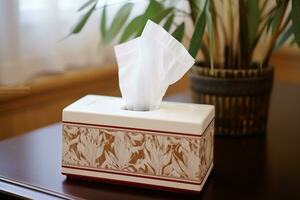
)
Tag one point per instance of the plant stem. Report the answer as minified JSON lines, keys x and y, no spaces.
{"x":205,"y":50}
{"x":215,"y":27}
{"x":232,"y":49}
{"x":267,"y":15}
{"x":243,"y":37}
{"x":263,"y":7}
{"x":223,"y":27}
{"x":228,"y":27}
{"x":260,"y":32}
{"x":277,"y":32}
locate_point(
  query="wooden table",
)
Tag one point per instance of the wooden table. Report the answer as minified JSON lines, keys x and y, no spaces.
{"x":265,"y":167}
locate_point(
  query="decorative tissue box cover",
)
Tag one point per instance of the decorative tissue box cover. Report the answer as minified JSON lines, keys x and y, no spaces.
{"x":170,"y":148}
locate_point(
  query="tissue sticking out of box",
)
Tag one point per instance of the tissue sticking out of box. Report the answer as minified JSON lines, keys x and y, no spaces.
{"x":148,"y":65}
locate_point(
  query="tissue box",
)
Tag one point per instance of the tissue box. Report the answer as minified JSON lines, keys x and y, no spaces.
{"x":170,"y":148}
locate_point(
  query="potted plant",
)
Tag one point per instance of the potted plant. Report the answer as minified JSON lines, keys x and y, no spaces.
{"x":226,"y":33}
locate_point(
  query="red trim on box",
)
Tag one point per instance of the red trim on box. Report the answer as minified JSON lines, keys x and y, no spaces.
{"x":137,"y":175}
{"x":134,"y":184}
{"x":139,"y":129}
{"x":141,"y":176}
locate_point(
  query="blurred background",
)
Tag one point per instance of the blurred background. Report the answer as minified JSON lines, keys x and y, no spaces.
{"x":42,"y":70}
{"x":31,"y":37}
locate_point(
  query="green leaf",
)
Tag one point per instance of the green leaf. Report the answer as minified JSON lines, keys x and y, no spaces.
{"x":103,"y":22}
{"x":131,"y":28}
{"x":118,"y":22}
{"x":270,"y":20}
{"x":296,"y":20}
{"x":253,"y":15}
{"x":284,"y":36}
{"x":161,"y":15}
{"x":196,"y":40}
{"x":136,"y":26}
{"x":179,"y":32}
{"x":154,"y":8}
{"x":156,"y":18}
{"x":86,"y":4}
{"x":197,"y":7}
{"x":169,"y":22}
{"x":279,"y":11}
{"x":279,"y":1}
{"x":80,"y":24}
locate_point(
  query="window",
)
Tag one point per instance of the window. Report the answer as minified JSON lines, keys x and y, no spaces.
{"x":31,"y":39}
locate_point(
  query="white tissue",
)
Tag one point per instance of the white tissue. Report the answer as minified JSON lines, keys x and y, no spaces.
{"x":148,"y":65}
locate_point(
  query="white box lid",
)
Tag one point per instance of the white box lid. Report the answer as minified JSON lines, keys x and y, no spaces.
{"x":184,"y":118}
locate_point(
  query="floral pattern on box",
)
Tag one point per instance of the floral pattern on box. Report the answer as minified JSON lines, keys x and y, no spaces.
{"x":142,"y":152}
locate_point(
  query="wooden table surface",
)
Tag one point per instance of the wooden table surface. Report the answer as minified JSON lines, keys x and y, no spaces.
{"x":265,"y":167}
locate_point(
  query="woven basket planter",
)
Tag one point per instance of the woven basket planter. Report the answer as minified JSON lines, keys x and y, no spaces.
{"x":241,"y":97}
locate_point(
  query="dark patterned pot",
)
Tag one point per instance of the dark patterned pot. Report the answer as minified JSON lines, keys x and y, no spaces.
{"x":241,"y":97}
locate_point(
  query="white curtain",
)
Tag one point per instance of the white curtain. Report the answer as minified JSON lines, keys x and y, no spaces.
{"x":30,"y":39}
{"x":31,"y":32}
